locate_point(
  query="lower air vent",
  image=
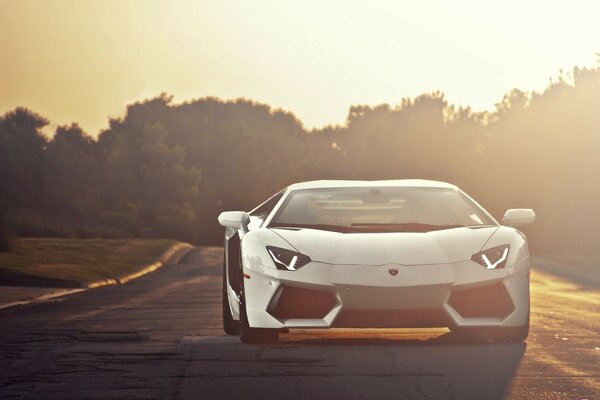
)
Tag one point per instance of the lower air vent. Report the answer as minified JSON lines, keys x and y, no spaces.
{"x":392,"y":319}
{"x":292,"y":302}
{"x":483,"y":302}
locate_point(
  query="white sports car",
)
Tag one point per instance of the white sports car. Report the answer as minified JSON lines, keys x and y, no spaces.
{"x":383,"y":254}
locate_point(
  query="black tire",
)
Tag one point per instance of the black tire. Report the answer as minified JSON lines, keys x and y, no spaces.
{"x":502,"y":334}
{"x":511,"y":334}
{"x":230,"y":325}
{"x":254,"y":335}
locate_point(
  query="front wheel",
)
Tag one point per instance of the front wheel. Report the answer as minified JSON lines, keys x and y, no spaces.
{"x":496,"y":334}
{"x":254,"y":335}
{"x":512,"y":333}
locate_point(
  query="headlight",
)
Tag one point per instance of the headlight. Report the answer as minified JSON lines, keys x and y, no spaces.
{"x":287,"y":260}
{"x":494,"y":258}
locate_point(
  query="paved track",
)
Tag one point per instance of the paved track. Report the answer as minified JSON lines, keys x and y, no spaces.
{"x":160,"y":338}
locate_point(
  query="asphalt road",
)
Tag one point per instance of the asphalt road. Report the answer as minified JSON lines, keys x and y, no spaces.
{"x":160,"y":337}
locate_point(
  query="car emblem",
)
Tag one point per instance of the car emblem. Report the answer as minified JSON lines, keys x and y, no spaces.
{"x":393,"y":271}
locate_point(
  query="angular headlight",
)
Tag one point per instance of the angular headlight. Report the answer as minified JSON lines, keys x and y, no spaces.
{"x":494,"y":258}
{"x":287,"y":260}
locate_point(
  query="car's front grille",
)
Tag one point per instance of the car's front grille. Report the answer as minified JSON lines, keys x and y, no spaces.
{"x":292,"y":302}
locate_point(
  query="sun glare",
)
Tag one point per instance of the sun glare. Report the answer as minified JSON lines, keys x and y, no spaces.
{"x":83,"y":61}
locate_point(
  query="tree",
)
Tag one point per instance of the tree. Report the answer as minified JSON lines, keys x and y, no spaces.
{"x":168,"y":169}
{"x":22,"y":144}
{"x":71,"y":168}
{"x":144,"y":188}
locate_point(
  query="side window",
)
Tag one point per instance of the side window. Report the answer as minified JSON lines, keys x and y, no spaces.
{"x":262,"y":211}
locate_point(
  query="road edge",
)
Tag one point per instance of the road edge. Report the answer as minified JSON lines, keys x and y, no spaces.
{"x":172,"y":255}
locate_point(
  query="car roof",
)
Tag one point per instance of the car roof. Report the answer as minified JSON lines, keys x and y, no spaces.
{"x":385,"y":183}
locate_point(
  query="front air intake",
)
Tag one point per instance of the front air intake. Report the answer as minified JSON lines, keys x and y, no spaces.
{"x":491,"y":301}
{"x":291,"y":302}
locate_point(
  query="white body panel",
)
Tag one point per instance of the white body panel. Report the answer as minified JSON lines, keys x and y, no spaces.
{"x":407,"y":248}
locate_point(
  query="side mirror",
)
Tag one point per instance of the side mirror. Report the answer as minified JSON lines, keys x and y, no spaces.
{"x":235,"y":220}
{"x":518,"y":217}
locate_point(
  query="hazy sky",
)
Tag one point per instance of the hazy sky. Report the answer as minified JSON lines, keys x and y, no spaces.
{"x":84,"y":60}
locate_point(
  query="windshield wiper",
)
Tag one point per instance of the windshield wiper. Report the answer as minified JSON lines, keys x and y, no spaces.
{"x":481,"y":226}
{"x":322,"y":227}
{"x":404,"y":227}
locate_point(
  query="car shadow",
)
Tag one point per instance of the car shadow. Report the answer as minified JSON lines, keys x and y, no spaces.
{"x":356,"y":365}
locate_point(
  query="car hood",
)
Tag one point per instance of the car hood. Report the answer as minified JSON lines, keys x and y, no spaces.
{"x":406,"y":248}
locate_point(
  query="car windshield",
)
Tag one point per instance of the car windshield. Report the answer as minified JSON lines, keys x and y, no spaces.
{"x":401,"y":209}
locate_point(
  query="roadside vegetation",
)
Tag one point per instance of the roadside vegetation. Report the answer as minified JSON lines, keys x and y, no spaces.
{"x":168,"y":170}
{"x":76,"y":262}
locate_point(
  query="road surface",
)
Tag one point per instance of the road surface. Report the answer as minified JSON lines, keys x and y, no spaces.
{"x":160,"y":337}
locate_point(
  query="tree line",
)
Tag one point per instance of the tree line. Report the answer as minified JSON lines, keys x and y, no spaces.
{"x":168,"y":170}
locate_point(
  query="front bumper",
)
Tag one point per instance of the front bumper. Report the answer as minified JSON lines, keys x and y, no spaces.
{"x":323,"y":295}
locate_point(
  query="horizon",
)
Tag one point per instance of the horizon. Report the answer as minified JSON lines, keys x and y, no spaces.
{"x":282,"y":55}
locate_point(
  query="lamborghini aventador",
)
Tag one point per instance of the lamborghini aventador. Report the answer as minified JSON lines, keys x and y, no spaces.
{"x":376,"y":254}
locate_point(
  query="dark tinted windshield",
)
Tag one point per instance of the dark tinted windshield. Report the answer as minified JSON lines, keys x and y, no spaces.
{"x":379,"y":209}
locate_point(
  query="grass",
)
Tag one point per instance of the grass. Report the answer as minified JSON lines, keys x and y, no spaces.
{"x":73,"y":262}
